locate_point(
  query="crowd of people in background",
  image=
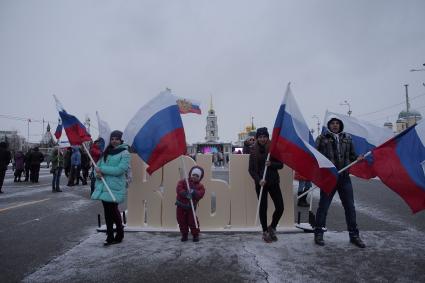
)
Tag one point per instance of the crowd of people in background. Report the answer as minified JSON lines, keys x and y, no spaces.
{"x":73,"y":161}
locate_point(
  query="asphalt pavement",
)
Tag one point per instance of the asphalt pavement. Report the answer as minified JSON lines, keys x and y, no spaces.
{"x":394,"y":253}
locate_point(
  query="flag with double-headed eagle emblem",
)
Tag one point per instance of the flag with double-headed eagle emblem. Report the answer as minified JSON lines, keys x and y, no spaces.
{"x":188,"y":106}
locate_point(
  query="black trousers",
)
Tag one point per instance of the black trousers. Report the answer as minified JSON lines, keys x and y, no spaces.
{"x":2,"y":174}
{"x":113,"y":215}
{"x":35,"y":171}
{"x":27,"y":173}
{"x":276,"y":195}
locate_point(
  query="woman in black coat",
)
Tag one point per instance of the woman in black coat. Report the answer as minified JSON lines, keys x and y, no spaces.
{"x":257,"y":164}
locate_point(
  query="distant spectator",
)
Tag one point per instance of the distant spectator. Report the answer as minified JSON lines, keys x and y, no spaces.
{"x":303,"y":186}
{"x":5,"y":158}
{"x":85,"y":167}
{"x":19,"y":165}
{"x":74,"y":178}
{"x":36,"y":157}
{"x":67,"y":161}
{"x":95,"y":152}
{"x":57,"y":166}
{"x":247,"y":145}
{"x":27,"y":164}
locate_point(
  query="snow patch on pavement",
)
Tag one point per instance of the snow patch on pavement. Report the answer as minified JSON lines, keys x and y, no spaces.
{"x":237,"y":257}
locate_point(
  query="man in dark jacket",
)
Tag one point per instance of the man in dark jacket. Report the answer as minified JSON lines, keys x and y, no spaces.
{"x":36,"y":157}
{"x":271,"y":184}
{"x":338,"y":147}
{"x":5,"y":158}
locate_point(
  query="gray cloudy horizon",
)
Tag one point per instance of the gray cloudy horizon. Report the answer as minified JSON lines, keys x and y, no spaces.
{"x":114,"y":56}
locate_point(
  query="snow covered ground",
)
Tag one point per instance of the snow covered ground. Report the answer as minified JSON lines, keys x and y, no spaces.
{"x":395,"y":253}
{"x":236,"y":257}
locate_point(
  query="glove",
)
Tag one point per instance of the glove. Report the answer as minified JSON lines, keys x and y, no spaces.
{"x":189,"y":195}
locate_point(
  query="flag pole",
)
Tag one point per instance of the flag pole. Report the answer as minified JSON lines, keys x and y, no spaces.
{"x":188,"y":190}
{"x":261,"y":190}
{"x":103,"y":179}
{"x":340,"y":171}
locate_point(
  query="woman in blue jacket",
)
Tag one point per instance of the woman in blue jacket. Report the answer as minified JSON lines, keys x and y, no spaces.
{"x":113,"y":166}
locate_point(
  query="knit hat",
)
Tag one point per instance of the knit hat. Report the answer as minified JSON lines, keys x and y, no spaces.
{"x":116,"y":134}
{"x":196,"y":171}
{"x":262,"y":132}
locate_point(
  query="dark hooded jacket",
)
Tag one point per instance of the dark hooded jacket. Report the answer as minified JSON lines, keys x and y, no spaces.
{"x":182,"y":192}
{"x":5,"y":157}
{"x":257,"y":162}
{"x":338,"y":148}
{"x":36,"y":157}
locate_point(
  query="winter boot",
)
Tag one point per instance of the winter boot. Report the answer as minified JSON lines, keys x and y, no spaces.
{"x":357,"y":241}
{"x":119,"y":236}
{"x":266,"y":237}
{"x":318,"y":239}
{"x":272,"y":233}
{"x":184,"y":238}
{"x":58,"y":189}
{"x":109,"y":238}
{"x":196,"y":238}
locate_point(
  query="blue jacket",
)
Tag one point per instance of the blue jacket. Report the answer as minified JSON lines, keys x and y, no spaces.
{"x":114,"y":171}
{"x":76,"y":156}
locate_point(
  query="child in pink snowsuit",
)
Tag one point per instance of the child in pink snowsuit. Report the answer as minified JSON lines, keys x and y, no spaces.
{"x":184,"y":210}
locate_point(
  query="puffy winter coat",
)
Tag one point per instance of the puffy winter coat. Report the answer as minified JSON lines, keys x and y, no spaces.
{"x":57,"y":159}
{"x":36,"y":157}
{"x":114,"y":171}
{"x":19,"y":160}
{"x":328,"y":146}
{"x":182,"y":192}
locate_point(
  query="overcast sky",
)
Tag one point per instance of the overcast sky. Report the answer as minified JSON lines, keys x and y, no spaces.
{"x":114,"y":56}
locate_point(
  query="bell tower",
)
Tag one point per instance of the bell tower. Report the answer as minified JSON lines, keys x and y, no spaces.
{"x":212,"y":127}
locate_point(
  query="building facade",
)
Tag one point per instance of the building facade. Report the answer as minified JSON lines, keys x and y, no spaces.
{"x":407,"y":119}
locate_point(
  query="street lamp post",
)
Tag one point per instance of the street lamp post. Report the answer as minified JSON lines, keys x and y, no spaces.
{"x":349,"y":107}
{"x":28,"y":130}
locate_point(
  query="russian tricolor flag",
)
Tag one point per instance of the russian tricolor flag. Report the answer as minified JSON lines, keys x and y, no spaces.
{"x":365,"y":136}
{"x":156,"y":131}
{"x":74,"y":129}
{"x":293,"y":144}
{"x":58,"y":132}
{"x":400,"y":164}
